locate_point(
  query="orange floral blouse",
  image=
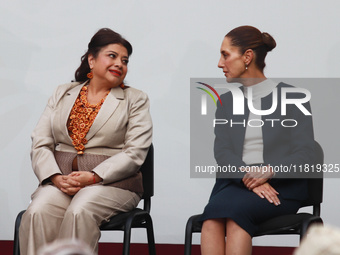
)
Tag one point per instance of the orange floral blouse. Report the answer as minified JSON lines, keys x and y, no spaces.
{"x":81,"y":119}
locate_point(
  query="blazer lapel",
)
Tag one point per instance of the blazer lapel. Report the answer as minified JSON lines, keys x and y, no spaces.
{"x":266,"y":103}
{"x":239,"y":129}
{"x":108,"y":108}
{"x":67,"y":104}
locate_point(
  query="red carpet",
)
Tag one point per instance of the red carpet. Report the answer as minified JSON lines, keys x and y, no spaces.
{"x":177,"y":249}
{"x":6,"y":248}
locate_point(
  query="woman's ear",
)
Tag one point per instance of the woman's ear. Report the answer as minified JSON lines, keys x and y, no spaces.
{"x":90,"y":60}
{"x":248,"y":56}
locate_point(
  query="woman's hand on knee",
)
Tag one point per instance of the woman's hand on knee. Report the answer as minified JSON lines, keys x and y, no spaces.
{"x":267,"y":191}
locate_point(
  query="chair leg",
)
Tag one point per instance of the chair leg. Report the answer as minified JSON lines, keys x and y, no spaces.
{"x":127,"y":237}
{"x":188,"y":237}
{"x":16,"y":246}
{"x":150,"y":235}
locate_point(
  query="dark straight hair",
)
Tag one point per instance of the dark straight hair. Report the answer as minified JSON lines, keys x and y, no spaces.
{"x":102,"y":38}
{"x":248,"y":37}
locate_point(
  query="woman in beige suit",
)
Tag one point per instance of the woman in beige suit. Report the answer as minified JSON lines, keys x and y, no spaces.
{"x":87,"y":149}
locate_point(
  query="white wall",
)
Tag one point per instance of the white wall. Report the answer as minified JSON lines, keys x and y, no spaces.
{"x":41,"y":44}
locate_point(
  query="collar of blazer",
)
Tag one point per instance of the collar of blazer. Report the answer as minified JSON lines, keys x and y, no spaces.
{"x":108,"y":108}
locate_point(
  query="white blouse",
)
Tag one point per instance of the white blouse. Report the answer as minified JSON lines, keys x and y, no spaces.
{"x":253,"y":141}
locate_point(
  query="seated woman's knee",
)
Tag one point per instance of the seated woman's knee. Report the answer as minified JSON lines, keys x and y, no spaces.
{"x":213,"y":224}
{"x":40,"y":209}
{"x":76,"y":212}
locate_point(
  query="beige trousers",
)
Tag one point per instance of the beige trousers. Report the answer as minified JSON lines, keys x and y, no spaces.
{"x":54,"y":215}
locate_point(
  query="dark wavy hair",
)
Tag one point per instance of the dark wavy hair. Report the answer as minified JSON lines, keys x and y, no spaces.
{"x":248,"y":37}
{"x":102,"y":38}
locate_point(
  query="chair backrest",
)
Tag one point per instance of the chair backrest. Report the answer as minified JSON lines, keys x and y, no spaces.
{"x":315,"y":184}
{"x":147,"y":169}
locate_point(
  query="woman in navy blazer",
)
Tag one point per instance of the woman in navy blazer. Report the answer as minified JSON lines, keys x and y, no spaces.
{"x":272,"y":146}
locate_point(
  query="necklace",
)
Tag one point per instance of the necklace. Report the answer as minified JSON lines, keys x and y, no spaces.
{"x":81,"y":119}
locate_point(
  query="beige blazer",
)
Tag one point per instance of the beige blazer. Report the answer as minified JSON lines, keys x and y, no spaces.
{"x":121,"y":130}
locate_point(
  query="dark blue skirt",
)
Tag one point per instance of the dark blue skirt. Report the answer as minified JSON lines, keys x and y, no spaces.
{"x":233,"y":200}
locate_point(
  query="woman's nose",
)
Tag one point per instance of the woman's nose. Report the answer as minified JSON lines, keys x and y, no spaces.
{"x":220,"y":63}
{"x":118,"y":63}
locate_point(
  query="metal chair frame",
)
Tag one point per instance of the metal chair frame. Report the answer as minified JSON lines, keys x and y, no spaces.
{"x":137,"y":218}
{"x":281,"y":225}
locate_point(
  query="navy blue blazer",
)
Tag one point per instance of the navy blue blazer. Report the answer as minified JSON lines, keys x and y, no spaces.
{"x":290,"y":147}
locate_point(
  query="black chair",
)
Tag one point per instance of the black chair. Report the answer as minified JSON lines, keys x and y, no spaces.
{"x":137,"y":218}
{"x":287,"y":224}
